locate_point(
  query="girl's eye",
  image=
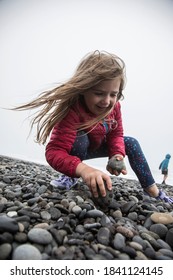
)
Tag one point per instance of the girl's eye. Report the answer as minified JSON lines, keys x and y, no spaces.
{"x":98,"y":93}
{"x":114,"y":94}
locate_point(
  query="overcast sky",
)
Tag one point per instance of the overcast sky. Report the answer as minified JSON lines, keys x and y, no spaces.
{"x":42,"y":41}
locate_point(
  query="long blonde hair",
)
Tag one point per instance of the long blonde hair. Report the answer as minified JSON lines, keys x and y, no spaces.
{"x":94,"y":68}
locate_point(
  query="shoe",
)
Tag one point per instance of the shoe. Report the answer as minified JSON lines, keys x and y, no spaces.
{"x":64,"y":182}
{"x":164,"y":197}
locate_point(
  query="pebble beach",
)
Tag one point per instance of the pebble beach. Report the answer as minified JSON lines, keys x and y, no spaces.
{"x":40,"y":222}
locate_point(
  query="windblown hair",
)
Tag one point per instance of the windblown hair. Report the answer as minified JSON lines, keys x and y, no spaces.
{"x":56,"y":103}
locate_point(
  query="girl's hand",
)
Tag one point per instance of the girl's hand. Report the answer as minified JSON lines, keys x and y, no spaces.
{"x":116,"y":165}
{"x":94,"y":179}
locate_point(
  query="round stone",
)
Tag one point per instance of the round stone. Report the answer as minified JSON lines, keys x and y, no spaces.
{"x":162,"y":218}
{"x":8,"y":224}
{"x":5,"y":250}
{"x":26,"y":252}
{"x":159,"y":229}
{"x":39,"y":235}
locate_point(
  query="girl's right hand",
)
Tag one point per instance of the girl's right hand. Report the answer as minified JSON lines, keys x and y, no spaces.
{"x":116,"y":165}
{"x":94,"y":179}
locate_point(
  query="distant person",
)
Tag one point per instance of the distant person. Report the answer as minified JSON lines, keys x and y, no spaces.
{"x":83,"y":116}
{"x":164,"y":167}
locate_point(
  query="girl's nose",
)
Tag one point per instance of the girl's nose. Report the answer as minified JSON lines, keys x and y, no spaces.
{"x":106,"y":100}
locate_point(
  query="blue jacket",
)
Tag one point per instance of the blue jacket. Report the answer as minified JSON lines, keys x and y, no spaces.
{"x":164,"y":164}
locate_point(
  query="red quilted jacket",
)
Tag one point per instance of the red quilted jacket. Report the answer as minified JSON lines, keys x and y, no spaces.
{"x":64,"y":134}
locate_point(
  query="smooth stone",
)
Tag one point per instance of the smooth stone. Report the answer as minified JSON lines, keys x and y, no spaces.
{"x":105,"y":221}
{"x":93,"y":225}
{"x":12,"y":214}
{"x":89,"y":236}
{"x":150,"y":253}
{"x":55,"y":213}
{"x":103,"y":236}
{"x":31,"y":201}
{"x":42,"y":189}
{"x":29,"y":213}
{"x":40,"y":236}
{"x":6,"y":237}
{"x":140,"y":256}
{"x":42,"y":225}
{"x":71,"y":205}
{"x":119,"y":241}
{"x":148,"y":223}
{"x":117,"y":214}
{"x":65,"y":202}
{"x":123,"y":256}
{"x":8,"y":224}
{"x":159,"y":256}
{"x":20,"y":237}
{"x":105,"y":201}
{"x":133,"y":198}
{"x":21,"y":227}
{"x":151,"y":240}
{"x":125,"y":231}
{"x":162,"y":218}
{"x":76,"y":210}
{"x":5,"y":250}
{"x":106,"y":254}
{"x":131,"y":252}
{"x":26,"y":252}
{"x":159,"y":229}
{"x":79,"y":199}
{"x":94,"y":213}
{"x":136,"y":245}
{"x":166,"y":252}
{"x":169,"y":237}
{"x":3,"y":200}
{"x":80,"y":229}
{"x":133,"y":216}
{"x":45,"y":215}
{"x":163,"y":244}
{"x":126,"y":207}
{"x":2,"y":207}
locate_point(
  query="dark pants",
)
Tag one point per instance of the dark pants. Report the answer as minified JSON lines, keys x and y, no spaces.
{"x":134,"y":152}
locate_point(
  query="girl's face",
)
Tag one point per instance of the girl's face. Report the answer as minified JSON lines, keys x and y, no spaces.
{"x":103,"y":96}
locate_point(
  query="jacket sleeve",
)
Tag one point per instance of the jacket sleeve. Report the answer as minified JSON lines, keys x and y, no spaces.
{"x":60,"y":144}
{"x":115,"y":138}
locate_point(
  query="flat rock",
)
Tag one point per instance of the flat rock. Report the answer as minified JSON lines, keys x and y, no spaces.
{"x":162,"y":218}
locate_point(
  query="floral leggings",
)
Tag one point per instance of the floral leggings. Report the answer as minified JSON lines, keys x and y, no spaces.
{"x":134,"y":153}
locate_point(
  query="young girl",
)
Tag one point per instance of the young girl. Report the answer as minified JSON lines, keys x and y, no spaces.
{"x":84,"y":119}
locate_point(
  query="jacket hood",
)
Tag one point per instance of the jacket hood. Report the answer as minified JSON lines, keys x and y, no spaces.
{"x":168,"y":156}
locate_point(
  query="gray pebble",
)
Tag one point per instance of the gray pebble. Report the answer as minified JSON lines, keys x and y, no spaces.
{"x":26,"y":252}
{"x":40,"y":236}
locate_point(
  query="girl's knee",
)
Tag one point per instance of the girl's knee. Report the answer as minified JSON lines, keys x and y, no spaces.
{"x":130,"y":140}
{"x":132,"y":146}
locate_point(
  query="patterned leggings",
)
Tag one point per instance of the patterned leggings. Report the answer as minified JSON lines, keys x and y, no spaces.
{"x":134,"y":152}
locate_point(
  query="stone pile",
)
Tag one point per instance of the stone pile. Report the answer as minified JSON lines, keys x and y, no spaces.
{"x":39,"y":222}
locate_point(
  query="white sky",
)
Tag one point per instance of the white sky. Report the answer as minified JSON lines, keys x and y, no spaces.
{"x":42,"y":42}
